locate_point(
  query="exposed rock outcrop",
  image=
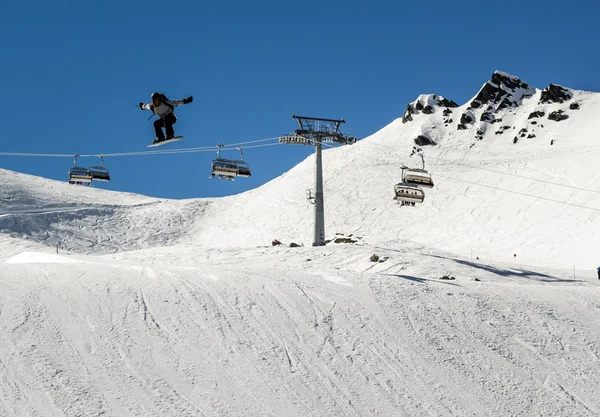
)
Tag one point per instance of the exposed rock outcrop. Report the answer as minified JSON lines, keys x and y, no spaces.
{"x":558,"y":115}
{"x":537,"y":113}
{"x":427,"y":104}
{"x":444,"y":102}
{"x":423,"y":140}
{"x":503,"y":90}
{"x":487,"y":117}
{"x":555,"y":94}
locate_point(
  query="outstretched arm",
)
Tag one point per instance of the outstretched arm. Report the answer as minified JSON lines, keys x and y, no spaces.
{"x":175,"y":103}
{"x":145,"y":106}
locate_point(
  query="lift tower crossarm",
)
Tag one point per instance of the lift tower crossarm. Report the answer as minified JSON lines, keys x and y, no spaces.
{"x":332,"y":126}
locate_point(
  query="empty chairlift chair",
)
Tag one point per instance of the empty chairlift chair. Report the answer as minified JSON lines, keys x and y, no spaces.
{"x":419,"y":177}
{"x":243,"y":167}
{"x":243,"y":170}
{"x":79,"y":175}
{"x":228,"y":169}
{"x":100,"y":173}
{"x":224,"y":169}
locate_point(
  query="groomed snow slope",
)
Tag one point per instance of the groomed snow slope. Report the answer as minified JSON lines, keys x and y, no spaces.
{"x":305,"y":332}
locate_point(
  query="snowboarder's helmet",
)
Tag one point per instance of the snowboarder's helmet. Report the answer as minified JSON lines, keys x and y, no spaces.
{"x":156,"y":96}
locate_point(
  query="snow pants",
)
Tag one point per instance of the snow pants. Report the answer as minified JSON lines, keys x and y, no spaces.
{"x":167,"y":122}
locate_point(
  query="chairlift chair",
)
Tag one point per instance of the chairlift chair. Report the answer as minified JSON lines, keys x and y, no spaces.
{"x":418,"y":177}
{"x":100,"y":173}
{"x":243,"y":169}
{"x":228,"y":169}
{"x":224,"y":169}
{"x":79,"y":175}
{"x":408,"y":194}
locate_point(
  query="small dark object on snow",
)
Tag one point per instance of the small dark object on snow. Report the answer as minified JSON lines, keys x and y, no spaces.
{"x":294,"y":245}
{"x":447,"y":277}
{"x":275,"y":242}
{"x":374,"y":258}
{"x":344,"y":240}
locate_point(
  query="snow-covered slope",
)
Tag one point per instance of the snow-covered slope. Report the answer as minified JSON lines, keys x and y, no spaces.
{"x":508,"y":181}
{"x":83,"y":219}
{"x":294,"y":331}
{"x":117,"y":304}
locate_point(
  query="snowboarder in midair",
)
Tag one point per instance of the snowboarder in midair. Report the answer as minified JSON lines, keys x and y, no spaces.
{"x":163,"y":108}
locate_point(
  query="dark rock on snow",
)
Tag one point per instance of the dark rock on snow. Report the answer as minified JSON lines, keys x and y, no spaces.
{"x":537,"y":113}
{"x":466,"y":119}
{"x":498,"y":90}
{"x":487,"y":117}
{"x":427,"y":110}
{"x":555,"y":94}
{"x":422,"y":140}
{"x":558,"y":116}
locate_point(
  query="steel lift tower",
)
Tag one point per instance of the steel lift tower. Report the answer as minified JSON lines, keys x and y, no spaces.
{"x":315,"y":131}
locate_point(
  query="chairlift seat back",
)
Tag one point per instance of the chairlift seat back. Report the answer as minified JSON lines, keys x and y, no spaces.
{"x":418,"y":178}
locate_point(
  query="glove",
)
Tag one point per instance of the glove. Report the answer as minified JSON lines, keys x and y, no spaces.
{"x":188,"y":100}
{"x":141,"y":106}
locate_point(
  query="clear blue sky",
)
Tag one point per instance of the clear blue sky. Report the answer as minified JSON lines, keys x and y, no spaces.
{"x":72,"y":72}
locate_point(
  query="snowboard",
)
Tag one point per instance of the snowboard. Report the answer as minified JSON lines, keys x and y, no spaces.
{"x":175,"y":139}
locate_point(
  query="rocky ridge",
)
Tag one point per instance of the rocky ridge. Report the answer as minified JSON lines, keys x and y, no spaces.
{"x":501,"y":94}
